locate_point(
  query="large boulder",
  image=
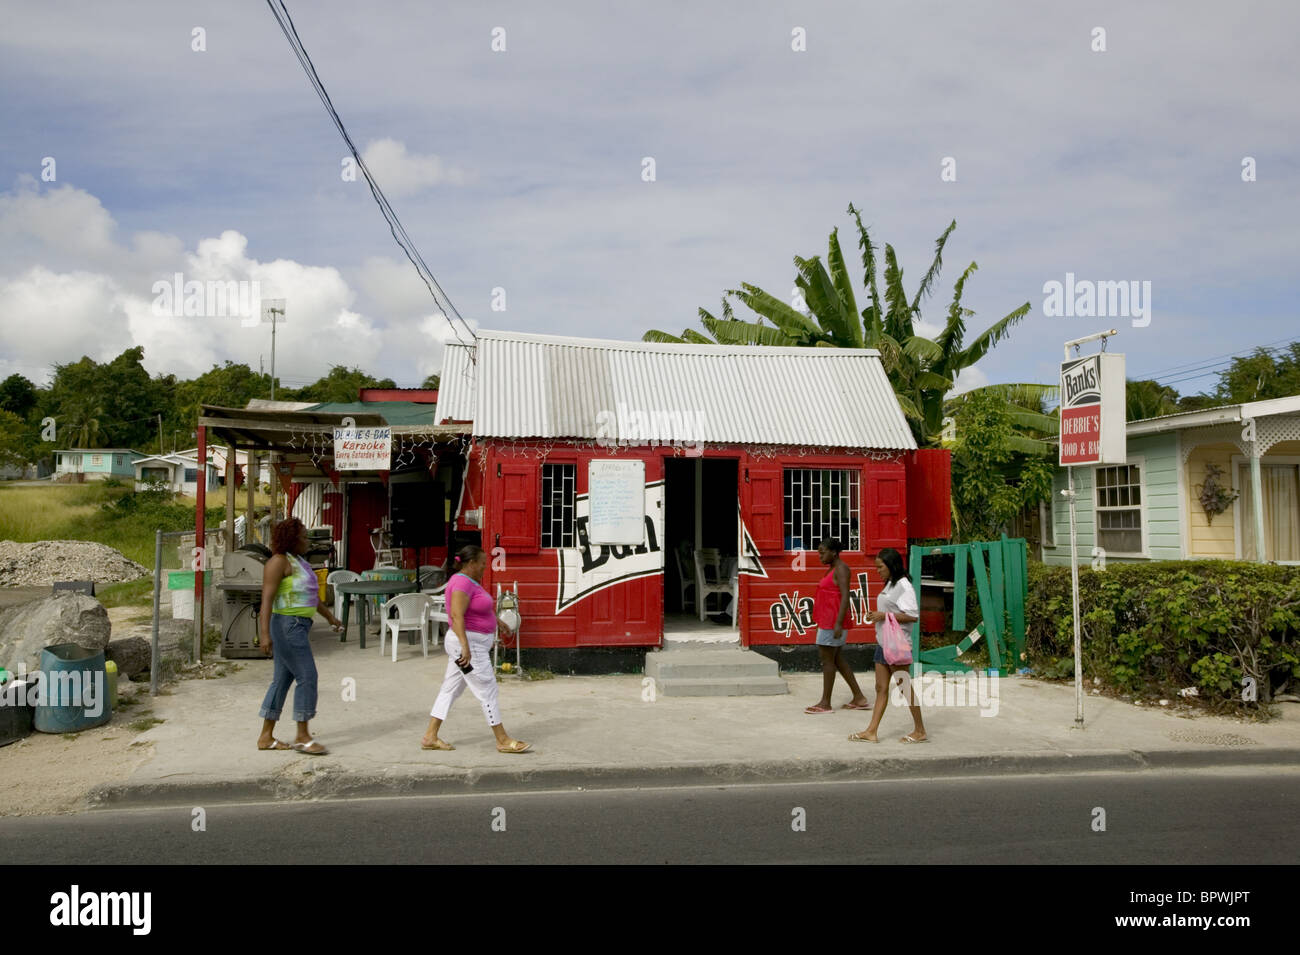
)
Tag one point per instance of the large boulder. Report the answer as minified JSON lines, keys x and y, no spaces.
{"x":131,"y":654}
{"x":29,"y":628}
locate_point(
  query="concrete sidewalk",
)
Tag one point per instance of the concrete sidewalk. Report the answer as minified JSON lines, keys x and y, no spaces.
{"x":599,"y":731}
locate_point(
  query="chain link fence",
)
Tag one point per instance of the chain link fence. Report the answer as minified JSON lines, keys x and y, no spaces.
{"x":178,"y":632}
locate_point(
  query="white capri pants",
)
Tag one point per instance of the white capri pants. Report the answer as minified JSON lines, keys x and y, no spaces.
{"x":482,"y":681}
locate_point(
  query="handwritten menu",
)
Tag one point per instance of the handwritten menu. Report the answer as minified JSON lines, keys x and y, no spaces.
{"x":616,"y":498}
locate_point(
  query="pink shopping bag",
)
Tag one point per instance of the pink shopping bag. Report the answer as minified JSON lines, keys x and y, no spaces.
{"x":894,"y":642}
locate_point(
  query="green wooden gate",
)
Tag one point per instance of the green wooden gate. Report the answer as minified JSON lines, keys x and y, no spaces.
{"x":1001,"y":571}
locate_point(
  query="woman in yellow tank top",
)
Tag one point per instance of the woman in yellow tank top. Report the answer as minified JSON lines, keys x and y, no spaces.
{"x":290,"y":598}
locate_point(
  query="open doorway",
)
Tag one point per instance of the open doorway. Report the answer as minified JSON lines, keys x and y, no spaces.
{"x":702,"y":543}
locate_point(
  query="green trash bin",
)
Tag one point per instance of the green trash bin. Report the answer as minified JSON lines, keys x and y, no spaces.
{"x":75,"y":695}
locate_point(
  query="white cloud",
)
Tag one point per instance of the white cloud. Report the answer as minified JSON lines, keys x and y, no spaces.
{"x":102,"y":300}
{"x":400,"y":173}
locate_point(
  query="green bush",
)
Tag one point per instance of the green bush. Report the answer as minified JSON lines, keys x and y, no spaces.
{"x":1163,"y":626}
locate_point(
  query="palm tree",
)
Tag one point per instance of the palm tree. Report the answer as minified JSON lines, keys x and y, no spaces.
{"x":922,"y":371}
{"x":1149,"y":399}
{"x":81,"y":424}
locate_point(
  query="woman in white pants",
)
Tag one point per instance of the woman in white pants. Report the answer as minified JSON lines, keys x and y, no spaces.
{"x":468,"y":644}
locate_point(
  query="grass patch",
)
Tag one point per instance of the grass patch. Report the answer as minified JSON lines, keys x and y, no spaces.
{"x":531,"y":674}
{"x":128,"y":593}
{"x":97,"y":511}
{"x":69,"y":736}
{"x":145,"y":723}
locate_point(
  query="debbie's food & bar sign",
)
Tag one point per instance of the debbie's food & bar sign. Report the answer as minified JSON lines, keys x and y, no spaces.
{"x":1092,"y":411}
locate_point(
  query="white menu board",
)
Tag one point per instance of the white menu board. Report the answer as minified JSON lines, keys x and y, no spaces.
{"x":616,"y":495}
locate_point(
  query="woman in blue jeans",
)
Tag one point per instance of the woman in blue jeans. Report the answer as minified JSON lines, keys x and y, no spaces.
{"x":292,"y":592}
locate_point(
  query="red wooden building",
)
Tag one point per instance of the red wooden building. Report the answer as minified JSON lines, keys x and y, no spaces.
{"x":598,"y":471}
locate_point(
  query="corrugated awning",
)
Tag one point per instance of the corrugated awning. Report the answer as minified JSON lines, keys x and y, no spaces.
{"x":537,"y":386}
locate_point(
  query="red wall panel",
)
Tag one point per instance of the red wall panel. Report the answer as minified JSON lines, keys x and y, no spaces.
{"x":929,"y":493}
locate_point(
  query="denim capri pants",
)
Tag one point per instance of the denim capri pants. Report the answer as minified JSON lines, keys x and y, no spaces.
{"x":294,"y":663}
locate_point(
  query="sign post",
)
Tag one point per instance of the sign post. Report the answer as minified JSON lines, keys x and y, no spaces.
{"x":1093,"y":432}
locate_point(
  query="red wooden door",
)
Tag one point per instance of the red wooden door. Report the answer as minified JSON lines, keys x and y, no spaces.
{"x":367,"y":508}
{"x":885,"y":503}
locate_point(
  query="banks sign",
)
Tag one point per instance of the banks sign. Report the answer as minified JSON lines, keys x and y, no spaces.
{"x":1092,"y":411}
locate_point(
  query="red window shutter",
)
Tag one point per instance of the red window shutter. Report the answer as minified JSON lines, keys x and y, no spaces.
{"x":516,"y":514}
{"x":929,"y":493}
{"x":886,"y":507}
{"x":764,"y":501}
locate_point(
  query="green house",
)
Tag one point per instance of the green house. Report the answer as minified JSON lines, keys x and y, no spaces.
{"x":96,"y":464}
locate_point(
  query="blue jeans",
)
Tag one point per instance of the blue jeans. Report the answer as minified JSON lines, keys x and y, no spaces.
{"x":293,"y":662}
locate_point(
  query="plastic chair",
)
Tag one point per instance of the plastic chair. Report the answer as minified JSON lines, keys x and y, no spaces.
{"x":406,"y":612}
{"x":340,"y":577}
{"x":709,"y":577}
{"x":431,"y":576}
{"x":685,"y":579}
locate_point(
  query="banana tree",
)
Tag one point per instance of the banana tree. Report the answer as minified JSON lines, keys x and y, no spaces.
{"x":921,"y":370}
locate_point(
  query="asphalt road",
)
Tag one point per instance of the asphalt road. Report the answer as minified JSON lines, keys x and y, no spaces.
{"x":1222,"y":817}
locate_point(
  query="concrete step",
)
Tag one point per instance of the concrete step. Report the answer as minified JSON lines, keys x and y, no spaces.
{"x":714,"y":671}
{"x":724,"y":686}
{"x":702,"y":664}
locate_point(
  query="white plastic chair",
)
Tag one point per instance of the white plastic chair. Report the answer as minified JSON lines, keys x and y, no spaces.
{"x":340,"y":577}
{"x":406,"y":612}
{"x":685,"y":573}
{"x":430,"y":577}
{"x":710,"y":579}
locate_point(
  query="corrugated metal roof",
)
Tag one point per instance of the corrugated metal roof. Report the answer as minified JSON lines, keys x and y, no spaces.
{"x":538,"y":386}
{"x":455,"y":386}
{"x":396,"y":413}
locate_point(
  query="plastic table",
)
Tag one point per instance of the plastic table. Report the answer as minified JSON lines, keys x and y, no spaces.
{"x":368,"y":588}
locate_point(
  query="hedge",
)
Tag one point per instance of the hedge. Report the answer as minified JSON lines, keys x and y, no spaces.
{"x":1164,"y":626}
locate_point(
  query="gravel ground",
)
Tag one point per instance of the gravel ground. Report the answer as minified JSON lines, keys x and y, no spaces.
{"x":44,"y":562}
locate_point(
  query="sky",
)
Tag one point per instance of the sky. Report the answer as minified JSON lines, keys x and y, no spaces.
{"x":1115,"y":142}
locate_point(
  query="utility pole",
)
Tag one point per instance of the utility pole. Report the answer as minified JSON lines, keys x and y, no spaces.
{"x":274,"y":308}
{"x":160,"y":444}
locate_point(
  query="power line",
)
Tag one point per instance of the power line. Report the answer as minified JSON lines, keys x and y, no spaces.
{"x":395,"y":226}
{"x":1216,"y":362}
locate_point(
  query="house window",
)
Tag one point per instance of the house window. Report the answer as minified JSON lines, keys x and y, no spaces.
{"x":96,"y":460}
{"x":821,"y":503}
{"x":191,"y":475}
{"x":154,"y":475}
{"x":558,"y":498}
{"x":1119,"y":509}
{"x":117,"y":459}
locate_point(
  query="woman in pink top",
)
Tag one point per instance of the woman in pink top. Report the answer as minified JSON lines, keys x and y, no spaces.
{"x":468,"y":644}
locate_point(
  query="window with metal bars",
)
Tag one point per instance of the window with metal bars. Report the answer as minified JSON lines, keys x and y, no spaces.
{"x":559,"y":495}
{"x":821,"y":503}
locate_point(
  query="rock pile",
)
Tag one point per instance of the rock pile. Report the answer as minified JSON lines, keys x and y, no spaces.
{"x":44,"y":562}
